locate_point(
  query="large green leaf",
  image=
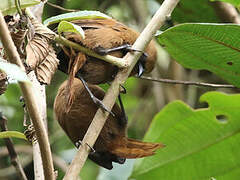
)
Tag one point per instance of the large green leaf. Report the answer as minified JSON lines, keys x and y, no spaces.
{"x":214,"y":47}
{"x":74,"y":16}
{"x":8,"y":6}
{"x":198,"y":145}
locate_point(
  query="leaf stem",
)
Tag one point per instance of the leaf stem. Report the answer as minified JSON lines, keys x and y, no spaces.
{"x":111,"y":59}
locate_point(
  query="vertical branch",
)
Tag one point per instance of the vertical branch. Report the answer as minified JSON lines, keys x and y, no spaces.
{"x":37,"y":10}
{"x":41,"y":99}
{"x":31,"y":101}
{"x":112,"y":93}
{"x":11,"y":150}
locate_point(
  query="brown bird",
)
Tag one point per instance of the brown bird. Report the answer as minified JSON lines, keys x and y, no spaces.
{"x":106,"y":36}
{"x":112,"y":144}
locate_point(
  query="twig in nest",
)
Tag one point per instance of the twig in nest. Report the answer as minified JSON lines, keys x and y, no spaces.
{"x":11,"y":150}
{"x":170,"y":81}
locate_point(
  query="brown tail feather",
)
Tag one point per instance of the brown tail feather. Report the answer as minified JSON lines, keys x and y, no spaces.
{"x":136,"y":149}
{"x":74,"y":65}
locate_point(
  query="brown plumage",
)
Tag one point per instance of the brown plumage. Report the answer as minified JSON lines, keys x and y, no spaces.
{"x":104,"y":34}
{"x":112,"y":144}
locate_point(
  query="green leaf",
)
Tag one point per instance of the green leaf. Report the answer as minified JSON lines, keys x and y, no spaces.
{"x":8,"y":6}
{"x":12,"y":134}
{"x":65,"y":26}
{"x":75,"y":16}
{"x":198,"y":145}
{"x":192,"y":11}
{"x":233,"y":2}
{"x":214,"y":47}
{"x":13,"y":71}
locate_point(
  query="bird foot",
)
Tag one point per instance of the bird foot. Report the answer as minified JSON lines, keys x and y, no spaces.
{"x":79,"y":143}
{"x":126,"y":48}
{"x":123,"y":89}
{"x":100,"y":104}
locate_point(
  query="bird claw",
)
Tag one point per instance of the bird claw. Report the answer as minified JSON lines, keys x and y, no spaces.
{"x":79,"y":143}
{"x":128,"y":48}
{"x":91,"y":148}
{"x":141,"y":64}
{"x":123,"y":89}
{"x":100,"y":104}
{"x":140,"y":69}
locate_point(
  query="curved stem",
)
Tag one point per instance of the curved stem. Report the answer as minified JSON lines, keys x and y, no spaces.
{"x":111,"y":59}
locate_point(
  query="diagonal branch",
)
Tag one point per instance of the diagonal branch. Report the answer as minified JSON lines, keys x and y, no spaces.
{"x":31,"y":101}
{"x":112,"y":93}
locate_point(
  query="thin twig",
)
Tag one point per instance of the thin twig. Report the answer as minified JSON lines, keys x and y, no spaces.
{"x":61,"y":8}
{"x":25,"y":150}
{"x":170,"y":81}
{"x":30,"y":99}
{"x":113,"y":91}
{"x":11,"y":150}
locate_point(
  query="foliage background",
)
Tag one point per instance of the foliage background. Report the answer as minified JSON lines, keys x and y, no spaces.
{"x":143,"y":100}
